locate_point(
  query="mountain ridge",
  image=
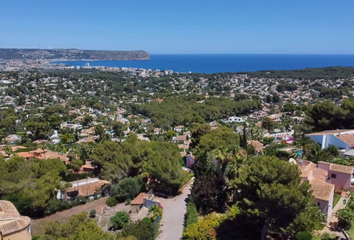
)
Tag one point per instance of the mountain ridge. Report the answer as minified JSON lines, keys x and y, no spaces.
{"x":71,"y":54}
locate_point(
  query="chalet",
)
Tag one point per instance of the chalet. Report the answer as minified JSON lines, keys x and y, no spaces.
{"x":323,"y":192}
{"x":342,"y":139}
{"x":90,"y":188}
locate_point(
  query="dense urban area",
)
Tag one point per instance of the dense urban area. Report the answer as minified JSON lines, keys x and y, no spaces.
{"x":142,"y":154}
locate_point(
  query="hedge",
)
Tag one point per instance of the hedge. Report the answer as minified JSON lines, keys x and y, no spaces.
{"x":192,"y":214}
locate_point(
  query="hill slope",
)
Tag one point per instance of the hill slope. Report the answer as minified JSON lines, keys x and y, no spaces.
{"x":71,"y":54}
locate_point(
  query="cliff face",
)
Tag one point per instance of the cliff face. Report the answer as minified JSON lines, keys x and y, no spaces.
{"x":71,"y":54}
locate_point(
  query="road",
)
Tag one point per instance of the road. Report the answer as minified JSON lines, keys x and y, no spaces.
{"x":174,"y":209}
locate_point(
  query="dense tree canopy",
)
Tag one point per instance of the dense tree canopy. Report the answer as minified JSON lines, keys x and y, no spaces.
{"x":272,"y":195}
{"x":185,"y":110}
{"x":30,"y":185}
{"x":160,"y":162}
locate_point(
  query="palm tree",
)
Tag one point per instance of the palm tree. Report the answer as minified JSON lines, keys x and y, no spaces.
{"x":316,"y":154}
{"x":43,"y":145}
{"x":8,"y":150}
{"x":305,"y":144}
{"x":239,"y":159}
{"x":224,"y":157}
{"x":254,"y":132}
{"x":73,"y":153}
{"x":155,"y":213}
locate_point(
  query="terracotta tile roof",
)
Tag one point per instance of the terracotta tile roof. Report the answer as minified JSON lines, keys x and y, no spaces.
{"x":139,"y":200}
{"x":25,"y":155}
{"x":347,"y":138}
{"x":87,"y":189}
{"x":52,"y":155}
{"x":321,"y":190}
{"x":341,"y":168}
{"x":182,"y":146}
{"x":320,"y":174}
{"x":257,"y":145}
{"x":10,"y":220}
{"x":306,"y":168}
{"x":181,"y":138}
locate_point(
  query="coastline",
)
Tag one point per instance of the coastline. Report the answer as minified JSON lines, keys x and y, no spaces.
{"x":215,"y":63}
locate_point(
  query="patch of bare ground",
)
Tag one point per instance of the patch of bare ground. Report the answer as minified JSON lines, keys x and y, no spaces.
{"x":38,"y":225}
{"x":108,"y":212}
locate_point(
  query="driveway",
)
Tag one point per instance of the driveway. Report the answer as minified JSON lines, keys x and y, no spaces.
{"x":174,"y":209}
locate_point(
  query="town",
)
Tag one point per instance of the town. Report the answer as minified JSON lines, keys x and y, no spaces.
{"x":128,"y":146}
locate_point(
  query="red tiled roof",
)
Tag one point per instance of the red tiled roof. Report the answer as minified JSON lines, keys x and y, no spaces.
{"x":139,"y":200}
{"x":10,"y":220}
{"x":347,"y":138}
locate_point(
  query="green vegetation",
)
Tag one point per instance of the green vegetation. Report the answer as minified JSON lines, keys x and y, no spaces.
{"x":329,"y":116}
{"x":93,"y":213}
{"x":142,"y":230}
{"x":204,"y":229}
{"x":78,"y":227}
{"x":261,"y":185}
{"x":158,"y":161}
{"x":345,"y":218}
{"x":120,"y":220}
{"x":335,"y":199}
{"x":192,"y":214}
{"x":126,"y":189}
{"x":111,"y":201}
{"x":304,"y":236}
{"x":236,"y":194}
{"x":308,"y":73}
{"x":186,"y":110}
{"x":31,"y":185}
{"x":155,"y":213}
{"x":75,"y":54}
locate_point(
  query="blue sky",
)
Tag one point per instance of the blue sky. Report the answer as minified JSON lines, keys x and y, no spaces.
{"x":181,"y":26}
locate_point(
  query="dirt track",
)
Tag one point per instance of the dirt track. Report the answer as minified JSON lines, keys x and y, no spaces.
{"x":38,"y":225}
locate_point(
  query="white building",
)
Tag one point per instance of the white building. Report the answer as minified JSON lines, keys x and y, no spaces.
{"x":235,"y":119}
{"x":343,"y":139}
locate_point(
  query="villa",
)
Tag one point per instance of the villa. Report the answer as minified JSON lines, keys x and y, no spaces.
{"x":342,"y":139}
{"x":324,"y":179}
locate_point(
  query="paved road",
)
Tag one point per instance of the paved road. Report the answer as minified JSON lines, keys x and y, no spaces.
{"x":172,"y":222}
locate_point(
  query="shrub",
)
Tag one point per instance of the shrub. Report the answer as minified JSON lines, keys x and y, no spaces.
{"x":351,"y":205}
{"x":54,"y":205}
{"x":119,"y":220}
{"x":126,"y":189}
{"x":142,"y":230}
{"x":127,"y":238}
{"x":192,"y":214}
{"x":327,"y":236}
{"x":111,"y":202}
{"x":304,"y":236}
{"x":205,"y":229}
{"x":93,"y":213}
{"x":81,"y":199}
{"x":345,"y":217}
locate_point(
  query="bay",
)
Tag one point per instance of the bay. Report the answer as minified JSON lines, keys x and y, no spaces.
{"x":213,"y":63}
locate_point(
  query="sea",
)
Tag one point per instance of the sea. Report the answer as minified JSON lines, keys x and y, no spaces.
{"x":214,"y":63}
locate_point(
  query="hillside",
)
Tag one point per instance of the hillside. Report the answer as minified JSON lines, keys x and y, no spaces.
{"x":71,"y":54}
